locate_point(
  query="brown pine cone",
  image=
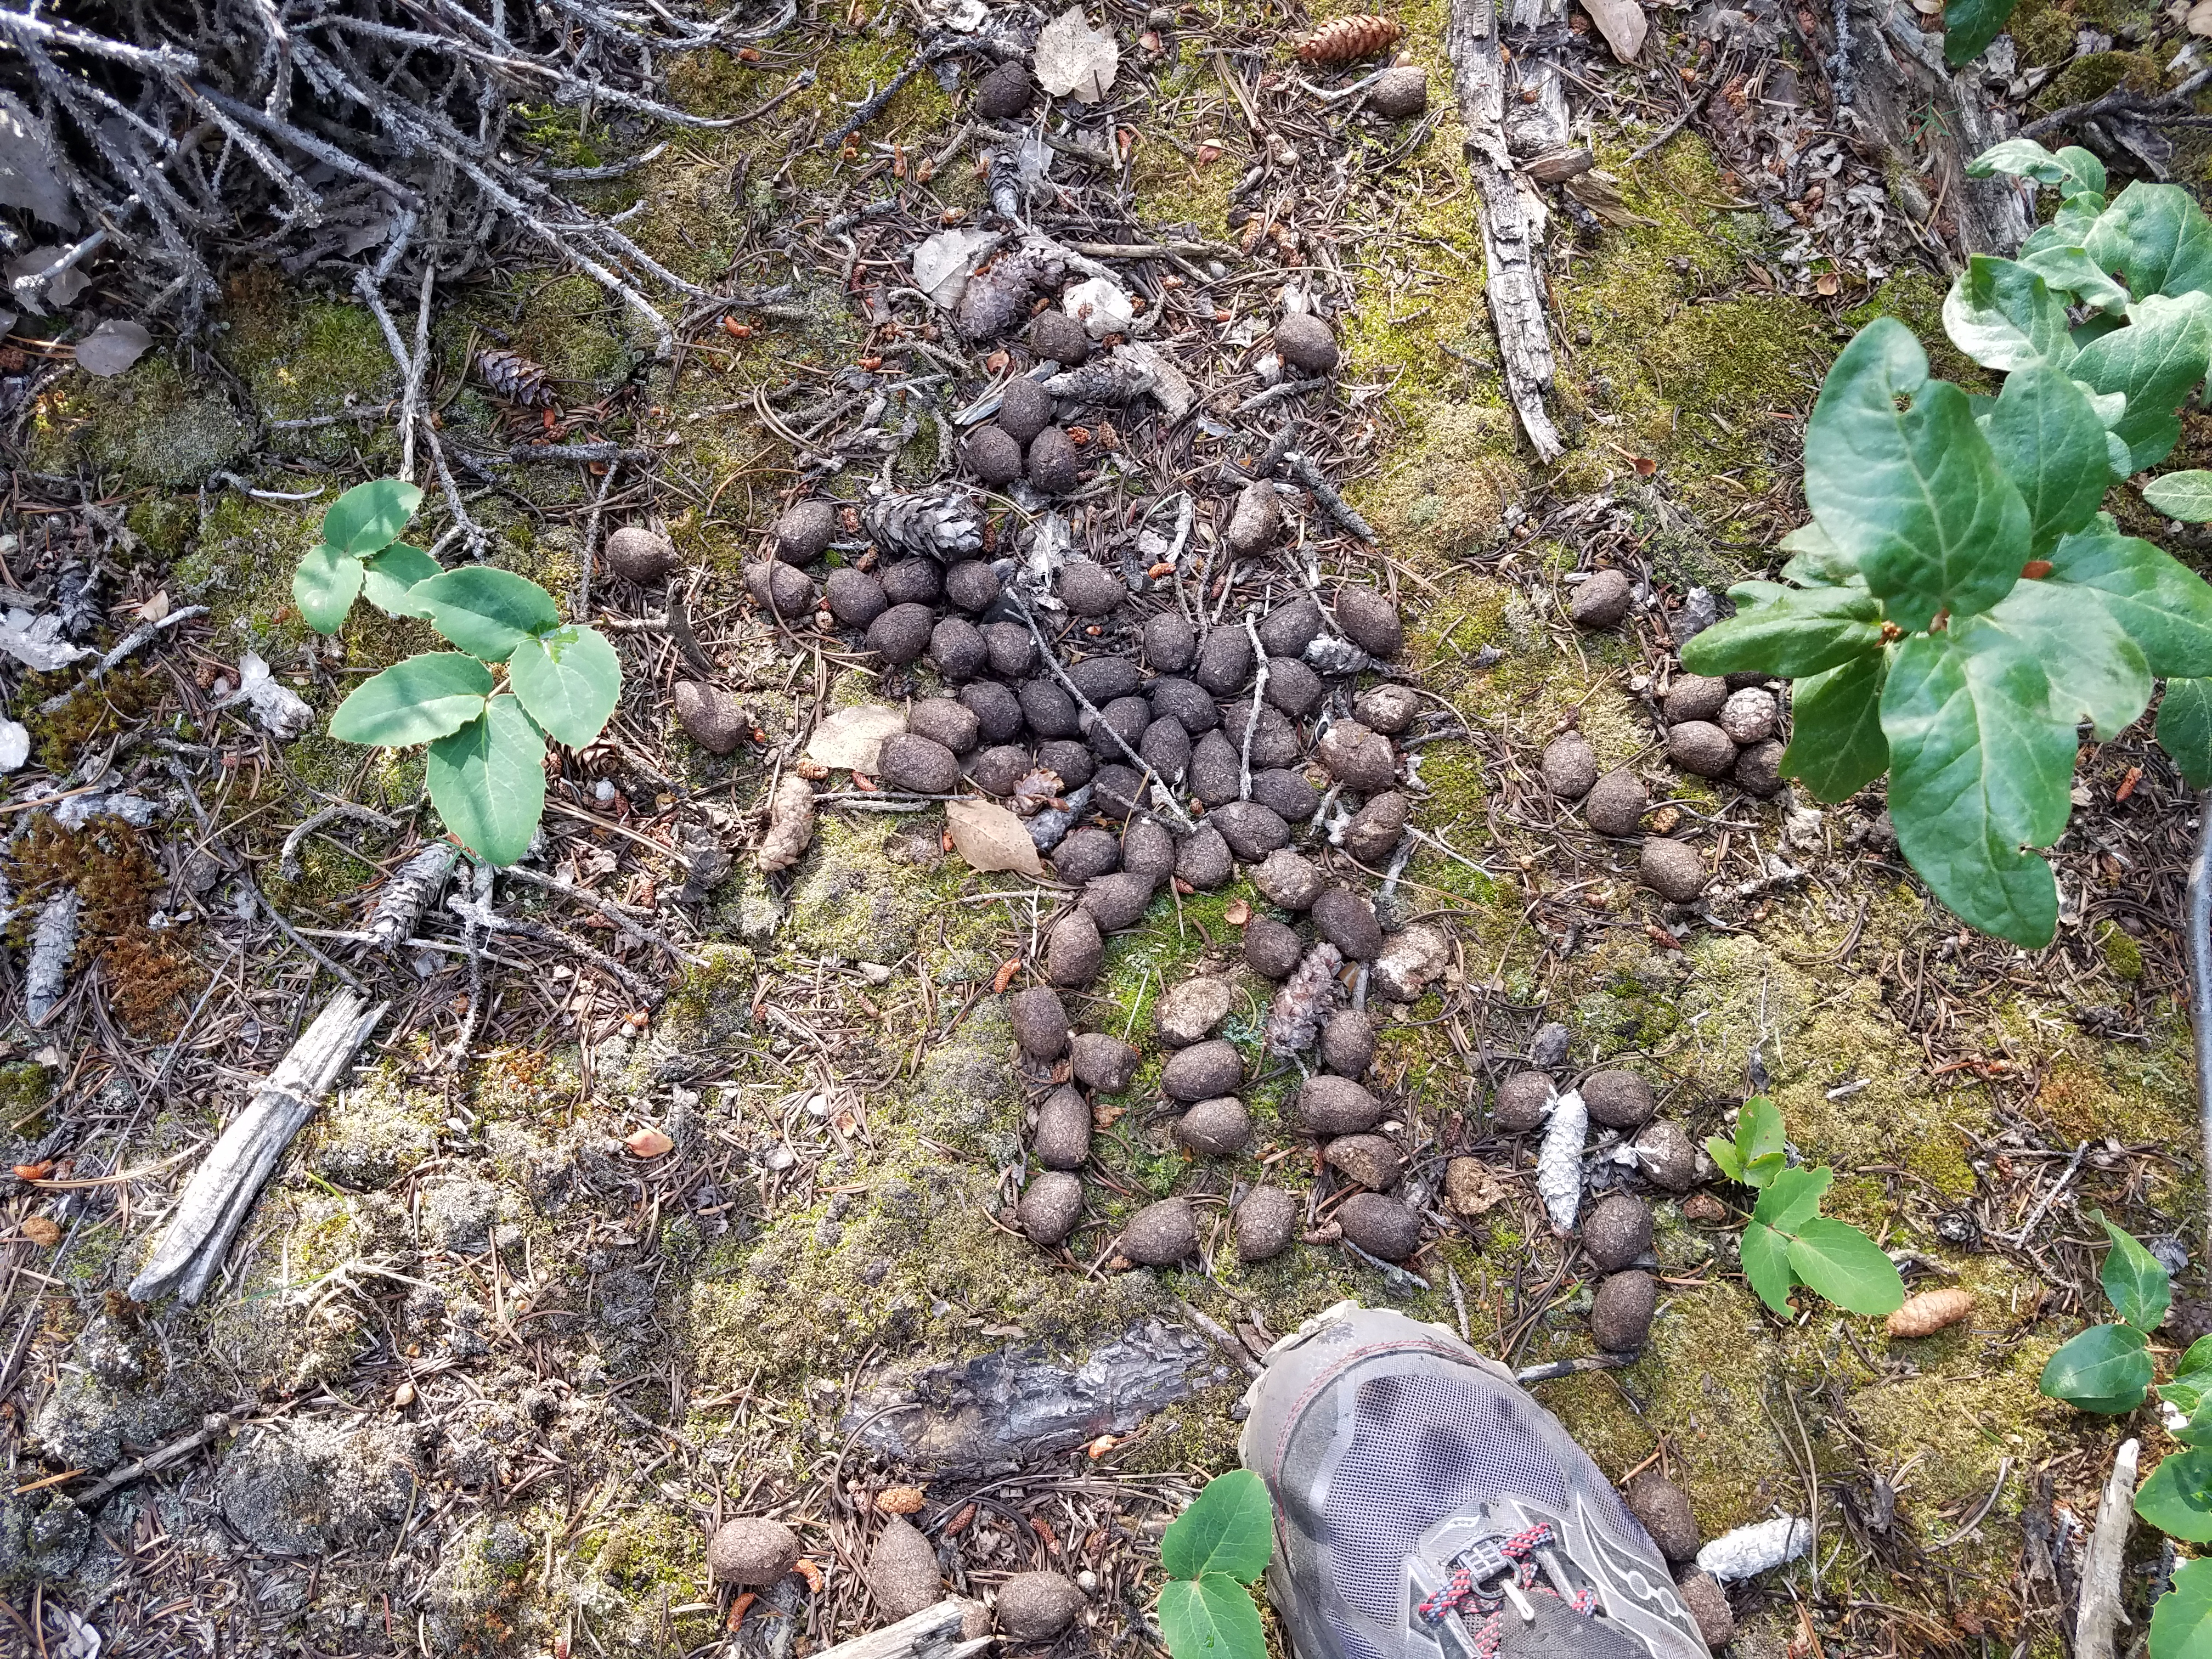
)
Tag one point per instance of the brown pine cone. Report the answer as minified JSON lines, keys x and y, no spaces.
{"x":1347,"y":38}
{"x":513,"y":377}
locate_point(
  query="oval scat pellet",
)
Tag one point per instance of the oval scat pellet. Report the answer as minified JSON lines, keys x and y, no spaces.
{"x":1053,"y":465}
{"x":1051,"y":1205}
{"x":1287,"y":880}
{"x":1165,"y":747}
{"x":1370,"y":621}
{"x":1306,"y":343}
{"x":1071,"y":762}
{"x":855,"y":598}
{"x":1012,"y":649}
{"x":1520,"y":1100}
{"x":1057,"y":336}
{"x":1025,"y":408}
{"x":1149,"y":850}
{"x":910,"y":762}
{"x":1672,"y":869}
{"x":1203,"y":1071}
{"x":1620,"y":1317}
{"x":1271,"y":950}
{"x":1252,"y":830}
{"x":1400,"y":93}
{"x":1362,"y":761}
{"x":1104,"y":680}
{"x":1667,"y":1157}
{"x":972,"y":585}
{"x":1086,"y":587}
{"x":1708,"y":1605}
{"x":1000,"y":767}
{"x":902,"y":1572}
{"x":1376,"y":828}
{"x":1039,"y":1022}
{"x":1694,"y":697}
{"x":1336,"y":1106}
{"x":1347,"y":1043}
{"x":1758,"y":769}
{"x":1085,"y":852}
{"x":917,"y":580}
{"x":946,"y":721}
{"x":1265,"y":1223}
{"x":1615,"y":804}
{"x":805,"y":529}
{"x":1346,"y":919}
{"x":1216,"y":771}
{"x":1389,"y":708}
{"x":1049,"y":711}
{"x":1161,"y":1235}
{"x":1117,"y":791}
{"x":710,"y":716}
{"x":1288,"y":629}
{"x":1368,"y":1160}
{"x":1220,"y":1127}
{"x":1105,"y":1063}
{"x":1601,"y":602}
{"x":1006,"y":93}
{"x":993,"y":455}
{"x":1701,"y":747}
{"x":1170,"y":642}
{"x":1075,"y":951}
{"x":1379,"y":1225}
{"x":783,"y":591}
{"x":1203,"y":860}
{"x":1188,"y":1013}
{"x":1619,"y":1100}
{"x":1062,"y":1140}
{"x":1569,"y":766}
{"x":1186,"y":704}
{"x":1285,"y":794}
{"x":998,"y":712}
{"x":1256,"y":519}
{"x":1615,"y":1231}
{"x":1294,"y":687}
{"x":1117,"y":901}
{"x":641,"y":556}
{"x":901,"y":634}
{"x":752,"y":1551}
{"x":1225,"y":661}
{"x":957,"y":649}
{"x":1120,"y":722}
{"x":1748,"y":715}
{"x":1664,"y":1510}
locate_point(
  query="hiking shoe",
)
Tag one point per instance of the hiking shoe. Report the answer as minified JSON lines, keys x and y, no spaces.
{"x":1427,"y":1508}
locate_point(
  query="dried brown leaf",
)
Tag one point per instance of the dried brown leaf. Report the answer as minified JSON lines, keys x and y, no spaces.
{"x":1623,"y":24}
{"x":851,"y":738}
{"x":1074,"y":60}
{"x":790,"y":824}
{"x":990,"y":837}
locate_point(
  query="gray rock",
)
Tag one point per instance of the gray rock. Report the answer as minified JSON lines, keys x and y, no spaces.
{"x":1252,"y":830}
{"x":1361,"y":760}
{"x":945,"y":720}
{"x":1287,"y":880}
{"x":1039,"y":1022}
{"x":1063,"y":1130}
{"x":1672,"y":869}
{"x":710,"y":716}
{"x":1620,"y":1100}
{"x":1073,"y":951}
{"x":1265,"y":1223}
{"x":1694,"y":697}
{"x":1548,"y":1050}
{"x":1204,"y":860}
{"x":900,"y":634}
{"x":1569,"y":766}
{"x":1400,"y":93}
{"x":1050,"y":1207}
{"x":1615,"y":803}
{"x":1708,"y":1604}
{"x":1669,"y":1156}
{"x":1105,"y":1063}
{"x":1758,"y":769}
{"x":1664,"y":1510}
{"x":1117,"y":901}
{"x":1305,"y":342}
{"x":1376,"y":828}
{"x":1620,"y":1317}
{"x":1187,"y":1012}
{"x":1520,"y":1100}
{"x":1347,"y":1043}
{"x":1170,"y":643}
{"x":804,"y":530}
{"x":1701,"y":747}
{"x":1336,"y":1106}
{"x":1601,"y":602}
{"x":1160,"y":1235}
{"x":641,"y":556}
{"x":1346,"y":920}
{"x":1271,"y":950}
{"x":1084,"y":854}
{"x":1036,"y":1606}
{"x":752,"y":1550}
{"x":1371,"y":1161}
{"x":902,"y":1573}
{"x":1221,"y":1127}
{"x":921,"y":764}
{"x":1616,"y":1230}
{"x":1380,"y":1226}
{"x":992,"y":456}
{"x":1203,"y":1071}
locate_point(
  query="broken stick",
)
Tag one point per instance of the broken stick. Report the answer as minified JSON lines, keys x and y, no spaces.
{"x":932,"y":1633}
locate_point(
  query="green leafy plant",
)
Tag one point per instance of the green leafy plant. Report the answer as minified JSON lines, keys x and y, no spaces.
{"x":1788,"y":1241}
{"x":486,"y":734}
{"x":1970,"y":25}
{"x":1212,"y":1553}
{"x":1959,"y":605}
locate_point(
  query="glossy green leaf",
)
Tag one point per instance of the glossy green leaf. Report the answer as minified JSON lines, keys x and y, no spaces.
{"x":324,"y":587}
{"x":2158,"y":238}
{"x":393,"y":574}
{"x":2046,"y":436}
{"x":1912,"y":492}
{"x":2136,"y":1282}
{"x":1210,"y":1618}
{"x":1723,"y":1152}
{"x":1969,"y":25}
{"x":2092,"y":669}
{"x":2157,"y":601}
{"x":2107,"y":1369}
{"x":1789,"y":631}
{"x":1230,"y":1527}
{"x":1765,"y":1257}
{"x":1759,"y":1142}
{"x":2184,"y":496}
{"x":2181,"y":1623}
{"x":568,"y":679}
{"x":487,"y":781}
{"x":2155,"y":360}
{"x":2177,"y":1498}
{"x":486,"y":612}
{"x":414,"y":702}
{"x":1792,"y":1198}
{"x":1844,"y":1265}
{"x":2070,"y":270}
{"x":371,"y":515}
{"x":2003,"y":315}
{"x":1836,"y":744}
{"x":2193,"y":1371}
{"x":2190,"y":1397}
{"x":2073,"y":170}
{"x":2184,"y":729}
{"x":1977,"y":769}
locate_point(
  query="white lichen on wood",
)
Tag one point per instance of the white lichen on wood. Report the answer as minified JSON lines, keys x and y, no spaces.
{"x":1560,"y":1160}
{"x":1762,"y":1546}
{"x":53,"y":945}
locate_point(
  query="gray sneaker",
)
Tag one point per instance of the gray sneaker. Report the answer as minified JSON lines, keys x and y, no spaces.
{"x":1427,"y":1508}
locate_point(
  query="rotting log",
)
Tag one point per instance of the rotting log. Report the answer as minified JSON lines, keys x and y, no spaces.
{"x":222,"y":1189}
{"x":932,"y":1633}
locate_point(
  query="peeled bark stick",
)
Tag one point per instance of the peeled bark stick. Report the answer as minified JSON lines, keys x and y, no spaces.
{"x":222,"y":1189}
{"x":932,"y":1633}
{"x":2099,"y":1611}
{"x":2200,"y":983}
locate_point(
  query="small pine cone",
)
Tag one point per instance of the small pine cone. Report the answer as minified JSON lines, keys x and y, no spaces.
{"x":941,"y":524}
{"x":1348,"y":37}
{"x":1308,"y":998}
{"x":1115,"y":379}
{"x":996,"y":299}
{"x":513,"y":377}
{"x":1929,"y":1312}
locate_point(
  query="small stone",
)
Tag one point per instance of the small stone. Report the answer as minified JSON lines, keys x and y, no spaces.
{"x":1225,"y":661}
{"x":1695,"y":697}
{"x":1569,"y":767}
{"x":1052,"y":461}
{"x":1179,"y":700}
{"x":1520,"y":1100}
{"x":710,"y":716}
{"x":783,"y":591}
{"x":917,"y":580}
{"x":1252,"y":830}
{"x":1410,"y":960}
{"x":1615,"y":1232}
{"x":1758,"y":769}
{"x":1380,"y":1226}
{"x":1287,"y":880}
{"x":1063,"y":1131}
{"x":1149,"y":850}
{"x":902,"y":1571}
{"x":1073,"y":951}
{"x":1347,"y":1043}
{"x":805,"y":529}
{"x":1264,"y":1224}
{"x":1220,"y":1127}
{"x":918,"y":764}
{"x":1165,"y":747}
{"x":1013,"y":651}
{"x":855,"y":598}
{"x":1294,"y":687}
{"x":1615,"y":803}
{"x":1105,"y":1063}
{"x":1346,"y":919}
{"x":1058,"y":337}
{"x":1701,"y":747}
{"x":1159,"y":1236}
{"x":1400,"y":93}
{"x":992,"y":456}
{"x":1664,"y":1510}
{"x":1619,"y":1100}
{"x":1376,"y":828}
{"x":1372,"y":1161}
{"x":1620,"y":1317}
{"x":1748,"y":715}
{"x":752,"y":1550}
{"x":1336,"y":1106}
{"x":1088,"y":591}
{"x":1000,"y":767}
{"x":1188,"y":1013}
{"x":641,"y":556}
{"x":1025,"y":408}
{"x":1171,"y":645}
{"x":1601,"y":602}
{"x":1051,"y":1206}
{"x":946,"y":721}
{"x":1708,"y":1604}
{"x":1362,"y":761}
{"x":1271,"y":950}
{"x":901,"y":634}
{"x":1672,"y":869}
{"x":1369,"y":622}
{"x":1305,"y":342}
{"x":1039,"y":1022}
{"x":1003,"y":95}
{"x":1204,"y":860}
{"x":972,"y":585}
{"x":1049,"y":711}
{"x":1117,"y":901}
{"x":1087,"y":852}
{"x":1290,"y":628}
{"x":1668,"y":1155}
{"x":1203,"y":1071}
{"x":1256,"y":520}
{"x":1285,"y":794}
{"x":998,"y":712}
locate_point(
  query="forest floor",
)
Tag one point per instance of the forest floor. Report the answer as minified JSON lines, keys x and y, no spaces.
{"x":486,"y":1379}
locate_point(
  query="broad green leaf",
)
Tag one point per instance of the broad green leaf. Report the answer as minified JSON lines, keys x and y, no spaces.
{"x":486,"y":612}
{"x":1759,"y":1142}
{"x":2093,"y":670}
{"x":1210,"y":1618}
{"x":2154,"y":360}
{"x":371,"y":515}
{"x":1765,"y":1257}
{"x":2181,"y":1623}
{"x":1789,"y":631}
{"x":414,"y":702}
{"x":1912,"y":493}
{"x":393,"y":573}
{"x":1844,"y":1265}
{"x":2070,"y":270}
{"x":1969,"y":25}
{"x":568,"y":679}
{"x":1977,"y":769}
{"x":324,"y":587}
{"x":2184,"y":496}
{"x":2160,"y":603}
{"x":2184,"y":729}
{"x":2046,"y":436}
{"x":2190,"y":1397}
{"x":487,"y":781}
{"x":2177,"y":1499}
{"x":2136,"y":1282}
{"x":2003,"y":315}
{"x":1724,"y":1154}
{"x":1792,"y":1198}
{"x":1230,"y":1527}
{"x":2107,"y":1369}
{"x":1815,"y":560}
{"x":2158,"y":238}
{"x":1836,"y":745}
{"x":2193,"y":1371}
{"x":2072,"y":170}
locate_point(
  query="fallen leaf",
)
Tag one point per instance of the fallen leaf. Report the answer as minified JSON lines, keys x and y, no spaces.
{"x":1236,"y":913}
{"x":942,"y":262}
{"x":1075,"y":60}
{"x":156,"y":608}
{"x":404,"y":1395}
{"x":42,"y":1231}
{"x":112,"y":347}
{"x":648,"y":1142}
{"x":851,"y":738}
{"x":2199,"y":19}
{"x":991,"y":838}
{"x":1622,"y":23}
{"x":1099,"y":1448}
{"x":1828,"y":285}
